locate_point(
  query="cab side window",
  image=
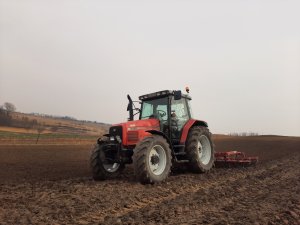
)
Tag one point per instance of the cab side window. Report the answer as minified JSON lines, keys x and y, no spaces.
{"x":147,"y":110}
{"x":179,"y":107}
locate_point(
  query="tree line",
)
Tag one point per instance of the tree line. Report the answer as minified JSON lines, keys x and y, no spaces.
{"x":244,"y":134}
{"x":6,"y":111}
{"x":6,"y":118}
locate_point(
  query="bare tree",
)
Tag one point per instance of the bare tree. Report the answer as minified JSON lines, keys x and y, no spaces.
{"x":40,"y":128}
{"x":9,"y":107}
{"x":5,"y":117}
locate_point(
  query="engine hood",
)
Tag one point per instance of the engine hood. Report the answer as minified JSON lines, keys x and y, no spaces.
{"x":134,"y":131}
{"x":149,"y":124}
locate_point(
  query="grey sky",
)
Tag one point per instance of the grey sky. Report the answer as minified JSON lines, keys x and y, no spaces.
{"x":241,"y":59}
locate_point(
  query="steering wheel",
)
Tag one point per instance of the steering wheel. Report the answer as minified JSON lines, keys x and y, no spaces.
{"x":161,"y":113}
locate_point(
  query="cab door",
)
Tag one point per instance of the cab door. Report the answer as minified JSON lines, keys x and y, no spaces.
{"x":179,"y":117}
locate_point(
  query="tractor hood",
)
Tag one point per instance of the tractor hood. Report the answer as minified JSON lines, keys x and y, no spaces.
{"x":134,"y":131}
{"x":149,"y":124}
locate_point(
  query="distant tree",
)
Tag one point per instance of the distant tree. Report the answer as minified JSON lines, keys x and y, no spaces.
{"x":2,"y":110}
{"x":5,"y":117}
{"x":9,"y":107}
{"x":34,"y":123}
{"x":40,"y":128}
{"x":2,"y":116}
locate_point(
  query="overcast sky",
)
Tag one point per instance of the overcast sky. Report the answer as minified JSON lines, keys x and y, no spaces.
{"x":241,"y":59}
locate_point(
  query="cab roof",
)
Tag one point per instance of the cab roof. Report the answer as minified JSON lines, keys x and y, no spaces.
{"x":161,"y":94}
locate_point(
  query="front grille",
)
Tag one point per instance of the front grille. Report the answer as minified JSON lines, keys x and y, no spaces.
{"x":116,"y":131}
{"x":132,"y":135}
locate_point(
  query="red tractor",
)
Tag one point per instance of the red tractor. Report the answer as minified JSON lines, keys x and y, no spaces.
{"x":165,"y":133}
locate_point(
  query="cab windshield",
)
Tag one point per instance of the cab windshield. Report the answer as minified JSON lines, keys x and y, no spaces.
{"x":155,"y":108}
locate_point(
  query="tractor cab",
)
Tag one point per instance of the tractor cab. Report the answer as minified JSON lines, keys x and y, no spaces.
{"x":171,"y":108}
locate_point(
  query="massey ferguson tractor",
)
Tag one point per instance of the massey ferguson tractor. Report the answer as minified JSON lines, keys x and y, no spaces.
{"x":165,"y":133}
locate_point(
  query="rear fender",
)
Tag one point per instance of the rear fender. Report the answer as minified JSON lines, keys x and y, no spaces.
{"x":191,"y":123}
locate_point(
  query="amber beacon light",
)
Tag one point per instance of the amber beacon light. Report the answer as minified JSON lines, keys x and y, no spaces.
{"x":187,"y":89}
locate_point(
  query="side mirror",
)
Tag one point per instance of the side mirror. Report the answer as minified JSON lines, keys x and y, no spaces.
{"x":177,"y":95}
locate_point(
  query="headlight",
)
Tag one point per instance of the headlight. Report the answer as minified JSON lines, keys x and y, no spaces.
{"x":112,"y":138}
{"x":119,"y":139}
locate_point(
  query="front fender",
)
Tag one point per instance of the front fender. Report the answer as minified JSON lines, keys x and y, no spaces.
{"x":157,"y":132}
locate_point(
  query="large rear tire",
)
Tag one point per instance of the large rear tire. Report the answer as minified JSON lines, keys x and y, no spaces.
{"x":200,"y":150}
{"x":102,"y":170}
{"x":152,"y":160}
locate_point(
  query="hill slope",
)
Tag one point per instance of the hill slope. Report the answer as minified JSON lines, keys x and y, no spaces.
{"x":28,"y":123}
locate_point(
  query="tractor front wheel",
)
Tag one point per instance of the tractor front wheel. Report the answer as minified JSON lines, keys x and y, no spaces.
{"x":102,"y":169}
{"x":152,"y":160}
{"x":199,"y":149}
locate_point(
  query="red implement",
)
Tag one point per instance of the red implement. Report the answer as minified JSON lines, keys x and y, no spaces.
{"x":234,"y":158}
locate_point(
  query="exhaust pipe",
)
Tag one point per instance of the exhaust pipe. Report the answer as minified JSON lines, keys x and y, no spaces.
{"x":130,"y":108}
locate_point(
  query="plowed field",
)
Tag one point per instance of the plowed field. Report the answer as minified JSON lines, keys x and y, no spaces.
{"x":48,"y":184}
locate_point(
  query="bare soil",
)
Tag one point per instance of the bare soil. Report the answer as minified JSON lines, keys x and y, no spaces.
{"x":42,"y":184}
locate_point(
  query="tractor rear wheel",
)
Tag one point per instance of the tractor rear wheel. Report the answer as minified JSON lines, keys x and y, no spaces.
{"x":200,"y":150}
{"x":100,"y":168}
{"x":152,"y":160}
